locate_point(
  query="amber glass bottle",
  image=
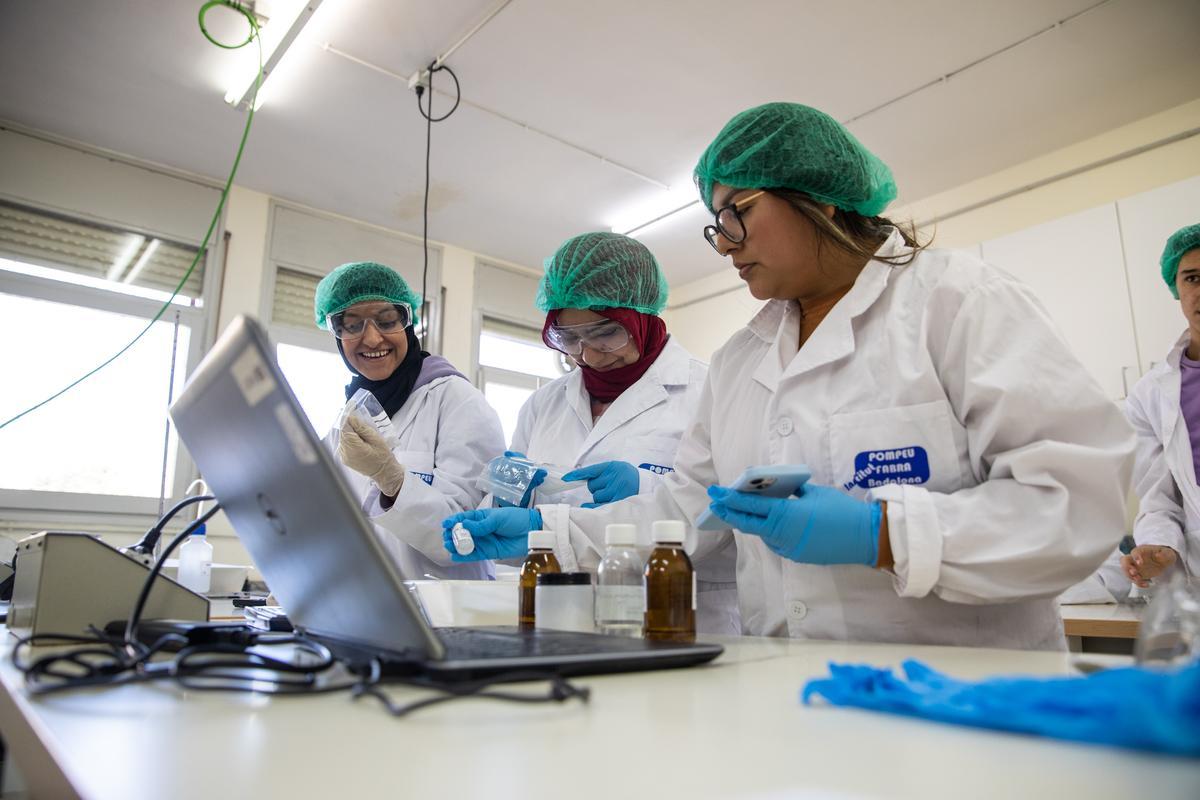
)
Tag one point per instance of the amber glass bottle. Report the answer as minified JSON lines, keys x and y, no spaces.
{"x":670,"y":587}
{"x":540,"y":560}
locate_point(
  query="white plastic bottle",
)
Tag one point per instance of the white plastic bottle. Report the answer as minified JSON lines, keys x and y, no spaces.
{"x":195,"y":562}
{"x":620,"y":598}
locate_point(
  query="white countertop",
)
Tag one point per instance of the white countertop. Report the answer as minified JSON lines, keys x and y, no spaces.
{"x":734,"y":728}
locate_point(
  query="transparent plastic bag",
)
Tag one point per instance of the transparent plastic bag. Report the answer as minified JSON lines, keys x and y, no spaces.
{"x":508,"y":478}
{"x":366,"y":407}
{"x":1169,"y":632}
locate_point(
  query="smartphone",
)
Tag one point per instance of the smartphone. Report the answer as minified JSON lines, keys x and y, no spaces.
{"x":780,"y":480}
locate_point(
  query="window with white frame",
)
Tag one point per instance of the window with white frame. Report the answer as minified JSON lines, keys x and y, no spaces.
{"x":513,"y":364}
{"x":307,"y":354}
{"x":72,"y":294}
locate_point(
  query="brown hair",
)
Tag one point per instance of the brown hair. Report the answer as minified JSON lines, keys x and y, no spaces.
{"x":852,"y":232}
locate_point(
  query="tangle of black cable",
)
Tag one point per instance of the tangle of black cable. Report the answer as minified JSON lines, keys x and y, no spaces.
{"x":429,"y":120}
{"x":231,"y":665}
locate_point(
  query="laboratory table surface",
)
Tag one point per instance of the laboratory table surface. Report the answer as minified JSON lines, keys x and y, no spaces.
{"x":1103,"y":620}
{"x":734,"y":728}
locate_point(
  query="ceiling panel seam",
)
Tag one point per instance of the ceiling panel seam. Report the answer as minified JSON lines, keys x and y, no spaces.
{"x":977,"y":62}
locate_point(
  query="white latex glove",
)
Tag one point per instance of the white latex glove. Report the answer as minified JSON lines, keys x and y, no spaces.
{"x":363,"y":450}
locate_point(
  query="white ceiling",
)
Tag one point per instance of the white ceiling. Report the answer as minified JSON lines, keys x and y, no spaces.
{"x":643,"y":83}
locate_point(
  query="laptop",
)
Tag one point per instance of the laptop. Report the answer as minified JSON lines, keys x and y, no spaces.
{"x":286,"y":498}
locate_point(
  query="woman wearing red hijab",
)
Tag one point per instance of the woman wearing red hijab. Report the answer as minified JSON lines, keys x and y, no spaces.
{"x":619,"y":417}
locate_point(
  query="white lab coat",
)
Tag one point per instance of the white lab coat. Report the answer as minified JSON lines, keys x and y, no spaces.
{"x":643,"y":427}
{"x":1027,"y":459}
{"x":447,"y":433}
{"x":1165,"y":475}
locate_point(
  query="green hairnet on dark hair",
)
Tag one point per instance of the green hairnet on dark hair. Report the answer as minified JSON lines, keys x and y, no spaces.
{"x":603,"y":270}
{"x":358,"y":282}
{"x":791,"y":146}
{"x":1178,"y":245}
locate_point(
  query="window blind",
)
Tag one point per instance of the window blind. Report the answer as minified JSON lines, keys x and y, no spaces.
{"x":295,"y":293}
{"x":85,"y":248}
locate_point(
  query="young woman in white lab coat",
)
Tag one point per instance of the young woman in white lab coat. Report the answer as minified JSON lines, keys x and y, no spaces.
{"x":446,"y":430}
{"x":965,"y":468}
{"x":1164,"y":408}
{"x":620,"y":415}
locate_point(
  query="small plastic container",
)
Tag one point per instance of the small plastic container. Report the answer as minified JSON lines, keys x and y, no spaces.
{"x":463,"y":542}
{"x":1169,"y":632}
{"x":508,"y":478}
{"x":563,"y":601}
{"x":195,"y":562}
{"x":366,"y":407}
{"x":620,"y":592}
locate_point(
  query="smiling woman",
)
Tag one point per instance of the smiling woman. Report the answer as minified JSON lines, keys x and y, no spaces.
{"x":446,"y":430}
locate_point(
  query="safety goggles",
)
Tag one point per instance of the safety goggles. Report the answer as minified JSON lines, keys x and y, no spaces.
{"x":605,"y":337}
{"x":728,"y":222}
{"x":352,"y":324}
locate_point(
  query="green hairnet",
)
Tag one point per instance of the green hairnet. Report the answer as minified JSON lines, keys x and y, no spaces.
{"x":358,"y":282}
{"x":1180,"y":243}
{"x":603,"y":270}
{"x":790,"y":146}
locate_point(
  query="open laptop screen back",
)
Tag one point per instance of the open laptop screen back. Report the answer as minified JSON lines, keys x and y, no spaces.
{"x":287,"y":501}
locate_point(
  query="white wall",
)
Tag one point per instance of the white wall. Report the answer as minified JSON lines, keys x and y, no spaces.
{"x":1114,"y":166}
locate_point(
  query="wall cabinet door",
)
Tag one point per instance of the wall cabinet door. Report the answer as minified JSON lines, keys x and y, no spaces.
{"x":1074,"y":265}
{"x":1147,"y":221}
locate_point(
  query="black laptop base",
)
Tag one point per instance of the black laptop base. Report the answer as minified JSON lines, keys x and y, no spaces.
{"x":484,"y":652}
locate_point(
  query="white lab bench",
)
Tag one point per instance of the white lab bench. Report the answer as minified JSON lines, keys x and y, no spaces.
{"x":1105,"y":621}
{"x":734,"y":728}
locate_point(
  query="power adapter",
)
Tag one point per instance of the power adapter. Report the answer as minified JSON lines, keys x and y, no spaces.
{"x":195,"y":634}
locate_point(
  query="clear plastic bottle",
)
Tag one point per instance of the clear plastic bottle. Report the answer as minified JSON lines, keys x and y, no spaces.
{"x":670,"y":586}
{"x":195,"y":562}
{"x":541,"y":559}
{"x":620,"y":591}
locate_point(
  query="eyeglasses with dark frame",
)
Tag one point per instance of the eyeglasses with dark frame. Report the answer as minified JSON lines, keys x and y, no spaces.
{"x":729,"y":222}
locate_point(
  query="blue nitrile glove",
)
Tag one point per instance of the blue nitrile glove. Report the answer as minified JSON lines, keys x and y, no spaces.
{"x":821,"y":526}
{"x":498,"y":532}
{"x":608,"y":481}
{"x":538,"y":477}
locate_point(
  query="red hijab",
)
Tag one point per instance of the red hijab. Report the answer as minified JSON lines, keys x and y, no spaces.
{"x":647,"y":331}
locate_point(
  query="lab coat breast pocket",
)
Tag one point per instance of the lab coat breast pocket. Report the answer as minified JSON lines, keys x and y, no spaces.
{"x":905,"y":445}
{"x":418,"y":463}
{"x":655,"y":453}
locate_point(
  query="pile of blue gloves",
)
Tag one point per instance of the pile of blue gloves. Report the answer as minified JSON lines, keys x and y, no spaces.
{"x":1133,"y":707}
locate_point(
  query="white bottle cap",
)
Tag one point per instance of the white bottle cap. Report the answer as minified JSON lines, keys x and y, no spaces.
{"x":620,"y":534}
{"x":463,"y":543}
{"x":541,"y":540}
{"x":668,"y":531}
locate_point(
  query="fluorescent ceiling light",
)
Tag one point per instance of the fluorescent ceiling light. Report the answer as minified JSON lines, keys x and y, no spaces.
{"x":131,"y":247}
{"x":277,"y":36}
{"x":641,"y":216}
{"x":147,"y":254}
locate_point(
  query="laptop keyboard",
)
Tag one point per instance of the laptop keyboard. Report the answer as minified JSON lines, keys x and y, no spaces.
{"x":508,"y":642}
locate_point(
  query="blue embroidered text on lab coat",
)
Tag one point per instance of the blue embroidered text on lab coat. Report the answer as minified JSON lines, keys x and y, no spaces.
{"x":425,"y":476}
{"x":900,"y":465}
{"x":657,"y":469}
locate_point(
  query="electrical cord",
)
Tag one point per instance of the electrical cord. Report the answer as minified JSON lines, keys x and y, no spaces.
{"x":236,"y":659}
{"x":433,"y":67}
{"x":131,"y":642}
{"x":146,"y":544}
{"x":560,"y":691}
{"x":254,"y":36}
